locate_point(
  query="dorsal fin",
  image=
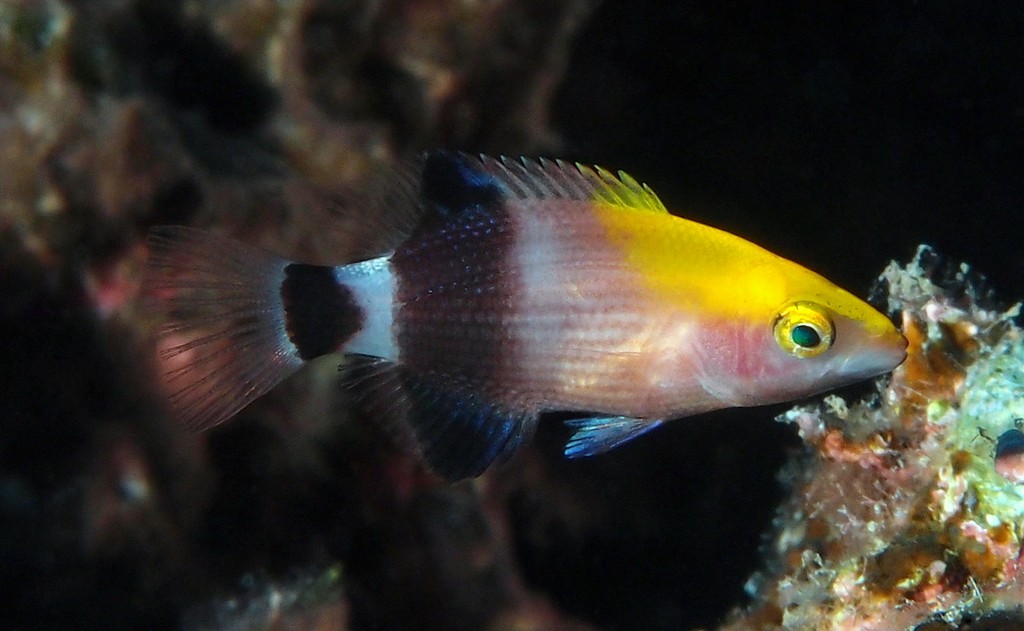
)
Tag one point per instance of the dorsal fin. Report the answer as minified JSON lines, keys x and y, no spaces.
{"x":358,"y":223}
{"x":545,"y":179}
{"x":455,"y":182}
{"x":441,"y":186}
{"x":452,"y":183}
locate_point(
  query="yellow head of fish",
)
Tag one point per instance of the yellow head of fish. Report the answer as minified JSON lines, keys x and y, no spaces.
{"x":783,"y":332}
{"x":749,"y":326}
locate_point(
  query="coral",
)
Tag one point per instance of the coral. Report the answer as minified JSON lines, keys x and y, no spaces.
{"x":250,"y":114}
{"x":312,"y":602}
{"x":907,"y":508}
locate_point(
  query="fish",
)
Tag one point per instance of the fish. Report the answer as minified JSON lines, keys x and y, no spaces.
{"x":1009,"y":453}
{"x":499,"y":290}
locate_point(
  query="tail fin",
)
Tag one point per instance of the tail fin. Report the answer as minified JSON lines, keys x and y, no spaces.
{"x":224,"y":340}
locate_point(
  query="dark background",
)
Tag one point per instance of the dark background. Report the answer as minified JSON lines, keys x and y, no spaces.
{"x":838,"y":134}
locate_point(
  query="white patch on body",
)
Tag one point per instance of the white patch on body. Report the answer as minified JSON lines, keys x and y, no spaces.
{"x":591,"y":340}
{"x":372,"y":283}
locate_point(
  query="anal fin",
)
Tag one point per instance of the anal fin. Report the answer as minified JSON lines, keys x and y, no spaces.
{"x":600,"y":434}
{"x":457,"y":431}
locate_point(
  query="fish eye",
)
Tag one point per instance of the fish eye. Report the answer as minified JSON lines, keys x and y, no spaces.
{"x":803,"y":329}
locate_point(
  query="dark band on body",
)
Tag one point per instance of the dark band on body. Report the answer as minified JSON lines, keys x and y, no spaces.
{"x":320,"y":313}
{"x":454,"y":285}
{"x":456,"y":288}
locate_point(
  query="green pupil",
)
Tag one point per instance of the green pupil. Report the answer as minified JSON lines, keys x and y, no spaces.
{"x":805,"y":336}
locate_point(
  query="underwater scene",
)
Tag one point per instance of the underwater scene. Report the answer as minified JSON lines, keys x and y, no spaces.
{"x":511,"y":315}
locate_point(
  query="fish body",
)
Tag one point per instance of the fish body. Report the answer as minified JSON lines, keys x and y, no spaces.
{"x":516,"y":288}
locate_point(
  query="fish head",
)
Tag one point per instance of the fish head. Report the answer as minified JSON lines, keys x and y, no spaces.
{"x":811,"y":342}
{"x":825,"y":342}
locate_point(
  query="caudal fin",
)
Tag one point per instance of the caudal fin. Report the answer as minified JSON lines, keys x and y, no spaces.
{"x":224,"y":338}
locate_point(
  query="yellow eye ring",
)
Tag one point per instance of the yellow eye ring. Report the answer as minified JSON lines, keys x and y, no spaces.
{"x":803,"y":329}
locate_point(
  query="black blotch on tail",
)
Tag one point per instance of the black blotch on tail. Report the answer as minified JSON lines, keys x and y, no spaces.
{"x":452,"y":183}
{"x":320,"y":312}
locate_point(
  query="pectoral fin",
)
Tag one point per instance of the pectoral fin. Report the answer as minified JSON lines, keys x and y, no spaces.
{"x":600,"y":434}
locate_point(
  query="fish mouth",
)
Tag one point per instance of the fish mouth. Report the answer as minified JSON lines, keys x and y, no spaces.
{"x":876,"y":355}
{"x":898,"y":343}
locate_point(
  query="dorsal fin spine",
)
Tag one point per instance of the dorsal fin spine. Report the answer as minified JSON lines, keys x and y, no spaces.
{"x":524,"y":178}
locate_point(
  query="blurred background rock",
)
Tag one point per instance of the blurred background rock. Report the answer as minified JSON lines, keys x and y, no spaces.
{"x":838,"y":135}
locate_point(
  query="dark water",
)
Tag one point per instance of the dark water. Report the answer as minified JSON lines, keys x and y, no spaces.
{"x":838,"y":134}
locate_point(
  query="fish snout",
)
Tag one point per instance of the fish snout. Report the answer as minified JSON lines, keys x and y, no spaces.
{"x":902,"y":344}
{"x":884,"y":352}
{"x":874,"y":354}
